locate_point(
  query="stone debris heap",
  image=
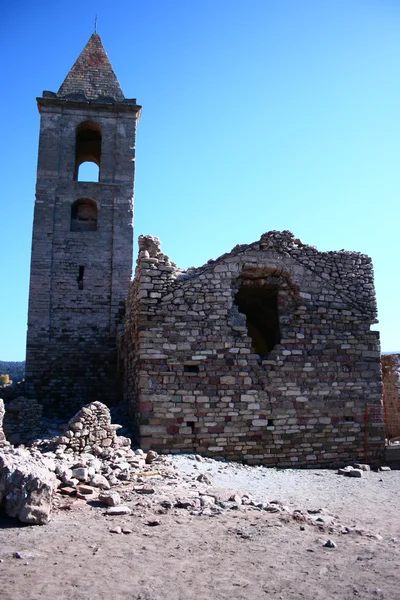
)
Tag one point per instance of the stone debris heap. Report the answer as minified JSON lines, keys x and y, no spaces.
{"x":3,"y":441}
{"x":91,"y":430}
{"x":119,"y":481}
{"x":88,"y":456}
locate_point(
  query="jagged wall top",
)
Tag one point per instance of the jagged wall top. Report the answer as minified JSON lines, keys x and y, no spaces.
{"x":348,"y":274}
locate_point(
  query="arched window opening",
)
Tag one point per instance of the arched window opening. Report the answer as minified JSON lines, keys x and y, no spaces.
{"x":88,"y":150}
{"x":88,"y":171}
{"x":260,"y":305}
{"x":84,"y":215}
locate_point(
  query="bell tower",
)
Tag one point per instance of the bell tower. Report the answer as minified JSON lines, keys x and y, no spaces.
{"x":82,"y":241}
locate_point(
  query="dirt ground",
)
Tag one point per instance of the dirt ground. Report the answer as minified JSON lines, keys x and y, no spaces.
{"x":245,"y":553}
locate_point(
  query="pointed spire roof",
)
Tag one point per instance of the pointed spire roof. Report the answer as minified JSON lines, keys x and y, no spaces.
{"x":92,"y":75}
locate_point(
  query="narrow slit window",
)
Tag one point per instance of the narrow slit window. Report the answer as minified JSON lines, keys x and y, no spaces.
{"x":190,"y":368}
{"x":80,"y":277}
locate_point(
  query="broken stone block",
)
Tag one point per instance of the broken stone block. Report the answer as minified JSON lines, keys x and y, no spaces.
{"x":119,"y":510}
{"x":86,"y":490}
{"x":81,"y":473}
{"x":68,"y":491}
{"x":27,"y":487}
{"x":110,"y":498}
{"x":354,"y":473}
{"x":362,"y":467}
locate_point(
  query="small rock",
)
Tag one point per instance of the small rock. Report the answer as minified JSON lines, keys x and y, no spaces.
{"x":144,"y":490}
{"x":126,"y":530}
{"x":385,"y":469}
{"x":185,"y":503}
{"x":99,"y":481}
{"x":272,"y":508}
{"x":81,"y":473}
{"x":207,"y":501}
{"x":115,"y":530}
{"x":153,"y":523}
{"x":151,"y":457}
{"x":330,"y":544}
{"x":323,"y":520}
{"x":362,"y":467}
{"x":119,"y":510}
{"x":203,"y":478}
{"x":110,"y":498}
{"x":236,"y":498}
{"x":355,"y":473}
{"x":68,"y":491}
{"x":86,"y":490}
{"x":345,"y":470}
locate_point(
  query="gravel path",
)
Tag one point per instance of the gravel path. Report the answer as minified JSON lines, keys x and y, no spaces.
{"x":355,"y":499}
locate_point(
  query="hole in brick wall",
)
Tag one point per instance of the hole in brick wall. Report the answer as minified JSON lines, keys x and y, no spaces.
{"x":84,"y":215}
{"x":88,"y":150}
{"x":260,"y":305}
{"x":190,"y":368}
{"x":270,"y":423}
{"x":349,"y":419}
{"x":347,"y":368}
{"x":190,"y":424}
{"x":80,"y":277}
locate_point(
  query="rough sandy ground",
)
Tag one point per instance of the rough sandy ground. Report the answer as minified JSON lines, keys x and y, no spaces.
{"x":244,"y":553}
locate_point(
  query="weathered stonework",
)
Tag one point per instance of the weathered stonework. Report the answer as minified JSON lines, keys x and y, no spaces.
{"x":391,"y":394}
{"x":22,"y":420}
{"x":3,"y":441}
{"x":91,"y":430}
{"x":264,"y":355}
{"x":196,"y":382}
{"x":82,"y":236}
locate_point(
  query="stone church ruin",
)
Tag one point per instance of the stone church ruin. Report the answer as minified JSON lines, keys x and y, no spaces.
{"x":264,"y":355}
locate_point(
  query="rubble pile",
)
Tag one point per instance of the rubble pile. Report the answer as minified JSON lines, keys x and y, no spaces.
{"x":92,"y":468}
{"x":91,"y":430}
{"x":3,"y":441}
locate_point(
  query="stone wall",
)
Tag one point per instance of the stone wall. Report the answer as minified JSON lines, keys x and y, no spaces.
{"x":391,"y":394}
{"x":91,"y":430}
{"x":22,"y":420}
{"x":285,"y":385}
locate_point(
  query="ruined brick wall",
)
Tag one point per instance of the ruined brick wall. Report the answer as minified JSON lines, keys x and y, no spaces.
{"x":199,"y":380}
{"x":391,"y":394}
{"x":22,"y":420}
{"x":79,"y":278}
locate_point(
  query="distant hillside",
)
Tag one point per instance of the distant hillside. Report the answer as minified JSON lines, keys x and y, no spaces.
{"x":16,"y":370}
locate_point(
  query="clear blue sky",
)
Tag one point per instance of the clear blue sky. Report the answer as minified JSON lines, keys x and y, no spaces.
{"x":257,"y":115}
